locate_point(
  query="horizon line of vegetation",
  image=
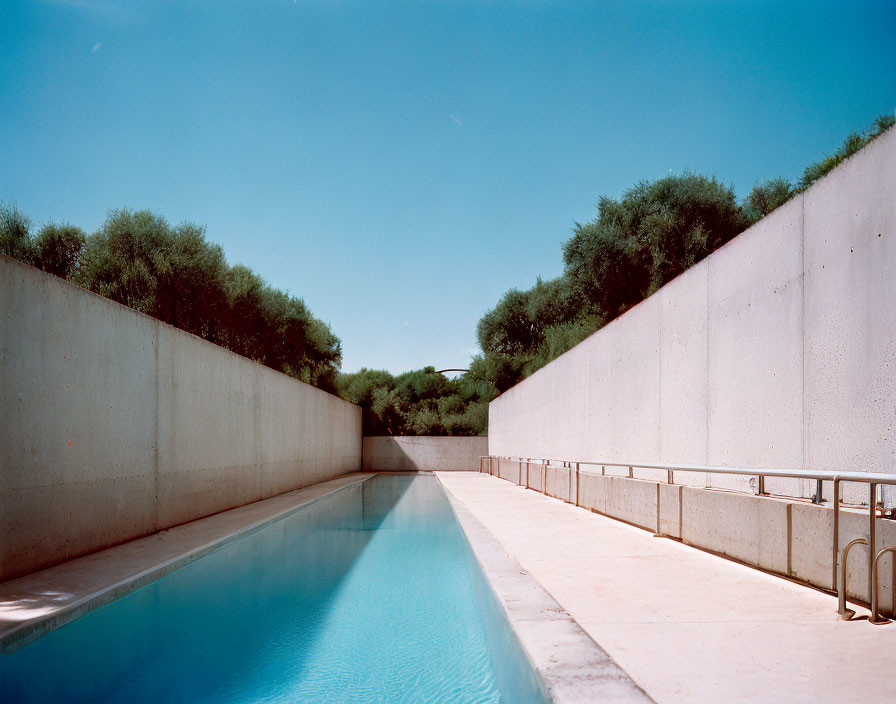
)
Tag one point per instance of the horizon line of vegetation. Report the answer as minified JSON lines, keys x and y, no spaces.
{"x":635,"y":245}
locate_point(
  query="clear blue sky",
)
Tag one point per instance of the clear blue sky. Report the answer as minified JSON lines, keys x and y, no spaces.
{"x":400,"y":165}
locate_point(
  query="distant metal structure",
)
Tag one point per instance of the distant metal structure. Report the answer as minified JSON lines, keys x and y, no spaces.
{"x":442,"y":371}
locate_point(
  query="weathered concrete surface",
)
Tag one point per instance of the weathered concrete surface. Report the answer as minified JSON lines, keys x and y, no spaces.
{"x":572,"y":668}
{"x":114,"y":425}
{"x":775,"y":351}
{"x":687,"y":626}
{"x":423,"y":453}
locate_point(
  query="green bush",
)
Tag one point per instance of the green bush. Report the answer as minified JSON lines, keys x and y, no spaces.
{"x":15,"y":240}
{"x":853,"y":143}
{"x":420,"y":402}
{"x":766,"y":197}
{"x":57,"y":249}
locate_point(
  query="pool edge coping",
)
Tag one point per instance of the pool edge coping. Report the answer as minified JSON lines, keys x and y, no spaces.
{"x":543,"y":627}
{"x":27,"y":631}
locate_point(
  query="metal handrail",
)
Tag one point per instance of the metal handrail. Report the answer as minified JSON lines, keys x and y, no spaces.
{"x":875,"y":617}
{"x":873,"y":479}
{"x":846,"y":614}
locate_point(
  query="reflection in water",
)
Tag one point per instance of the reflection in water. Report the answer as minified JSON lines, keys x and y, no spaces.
{"x":364,"y":596}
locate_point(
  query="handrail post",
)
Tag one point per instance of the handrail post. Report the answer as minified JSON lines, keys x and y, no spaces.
{"x":761,"y":485}
{"x":876,"y":618}
{"x":818,"y":489}
{"x":544,"y":476}
{"x":577,"y":483}
{"x":836,"y":528}
{"x":872,"y":535}
{"x":846,"y":614}
{"x":569,"y":483}
{"x":631,"y":473}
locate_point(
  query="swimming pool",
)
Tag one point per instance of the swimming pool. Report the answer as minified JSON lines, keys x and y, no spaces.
{"x":371,"y":594}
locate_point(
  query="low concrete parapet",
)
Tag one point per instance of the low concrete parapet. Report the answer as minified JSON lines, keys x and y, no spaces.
{"x":423,"y":453}
{"x":780,"y":535}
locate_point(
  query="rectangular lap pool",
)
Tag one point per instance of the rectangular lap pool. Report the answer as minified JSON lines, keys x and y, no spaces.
{"x":371,"y":594}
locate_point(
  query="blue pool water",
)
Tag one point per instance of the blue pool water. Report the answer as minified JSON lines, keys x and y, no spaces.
{"x":369,"y":595}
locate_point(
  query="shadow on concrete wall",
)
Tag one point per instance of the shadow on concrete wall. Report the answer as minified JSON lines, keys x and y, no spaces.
{"x":222,"y":615}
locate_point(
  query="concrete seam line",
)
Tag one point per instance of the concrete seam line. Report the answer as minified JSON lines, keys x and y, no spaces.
{"x":789,"y":510}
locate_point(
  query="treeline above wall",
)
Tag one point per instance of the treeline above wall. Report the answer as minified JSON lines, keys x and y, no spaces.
{"x":635,"y":245}
{"x":174,"y":274}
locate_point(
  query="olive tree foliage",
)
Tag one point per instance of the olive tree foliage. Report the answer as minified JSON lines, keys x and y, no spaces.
{"x":420,"y":402}
{"x":175,"y":274}
{"x":773,"y":193}
{"x":15,"y":239}
{"x":853,"y":143}
{"x":766,"y":197}
{"x":56,"y":248}
{"x":648,"y":237}
{"x":635,"y":245}
{"x":528,"y":329}
{"x":170,"y":273}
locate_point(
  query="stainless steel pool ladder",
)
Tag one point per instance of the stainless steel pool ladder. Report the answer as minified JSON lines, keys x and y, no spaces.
{"x":845,"y":613}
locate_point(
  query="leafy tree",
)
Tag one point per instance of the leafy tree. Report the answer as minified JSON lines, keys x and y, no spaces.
{"x":57,"y":249}
{"x":853,"y":143}
{"x":15,"y":240}
{"x":657,"y":230}
{"x":602,"y":263}
{"x":419,"y":402}
{"x":766,"y":197}
{"x":174,"y":274}
{"x":126,"y":257}
{"x":501,"y":371}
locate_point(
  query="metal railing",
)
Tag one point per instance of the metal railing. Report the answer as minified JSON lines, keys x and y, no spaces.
{"x":874,"y":480}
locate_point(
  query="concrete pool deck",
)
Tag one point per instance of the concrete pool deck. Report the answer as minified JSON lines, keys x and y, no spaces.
{"x":686,"y":625}
{"x":571,"y":667}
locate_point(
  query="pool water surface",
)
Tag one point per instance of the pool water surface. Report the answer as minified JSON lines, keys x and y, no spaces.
{"x":371,"y":594}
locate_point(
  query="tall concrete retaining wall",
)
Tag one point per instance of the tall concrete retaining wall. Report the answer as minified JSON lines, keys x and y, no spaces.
{"x":114,"y":425}
{"x":423,"y":453}
{"x":790,"y":538}
{"x":778,"y":350}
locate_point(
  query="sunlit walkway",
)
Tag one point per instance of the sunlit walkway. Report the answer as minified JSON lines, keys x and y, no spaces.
{"x":686,"y":625}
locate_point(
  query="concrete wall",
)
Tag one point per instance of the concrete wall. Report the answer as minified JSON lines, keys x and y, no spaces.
{"x":114,"y":425}
{"x":775,"y":351}
{"x":786,"y":537}
{"x":423,"y":453}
